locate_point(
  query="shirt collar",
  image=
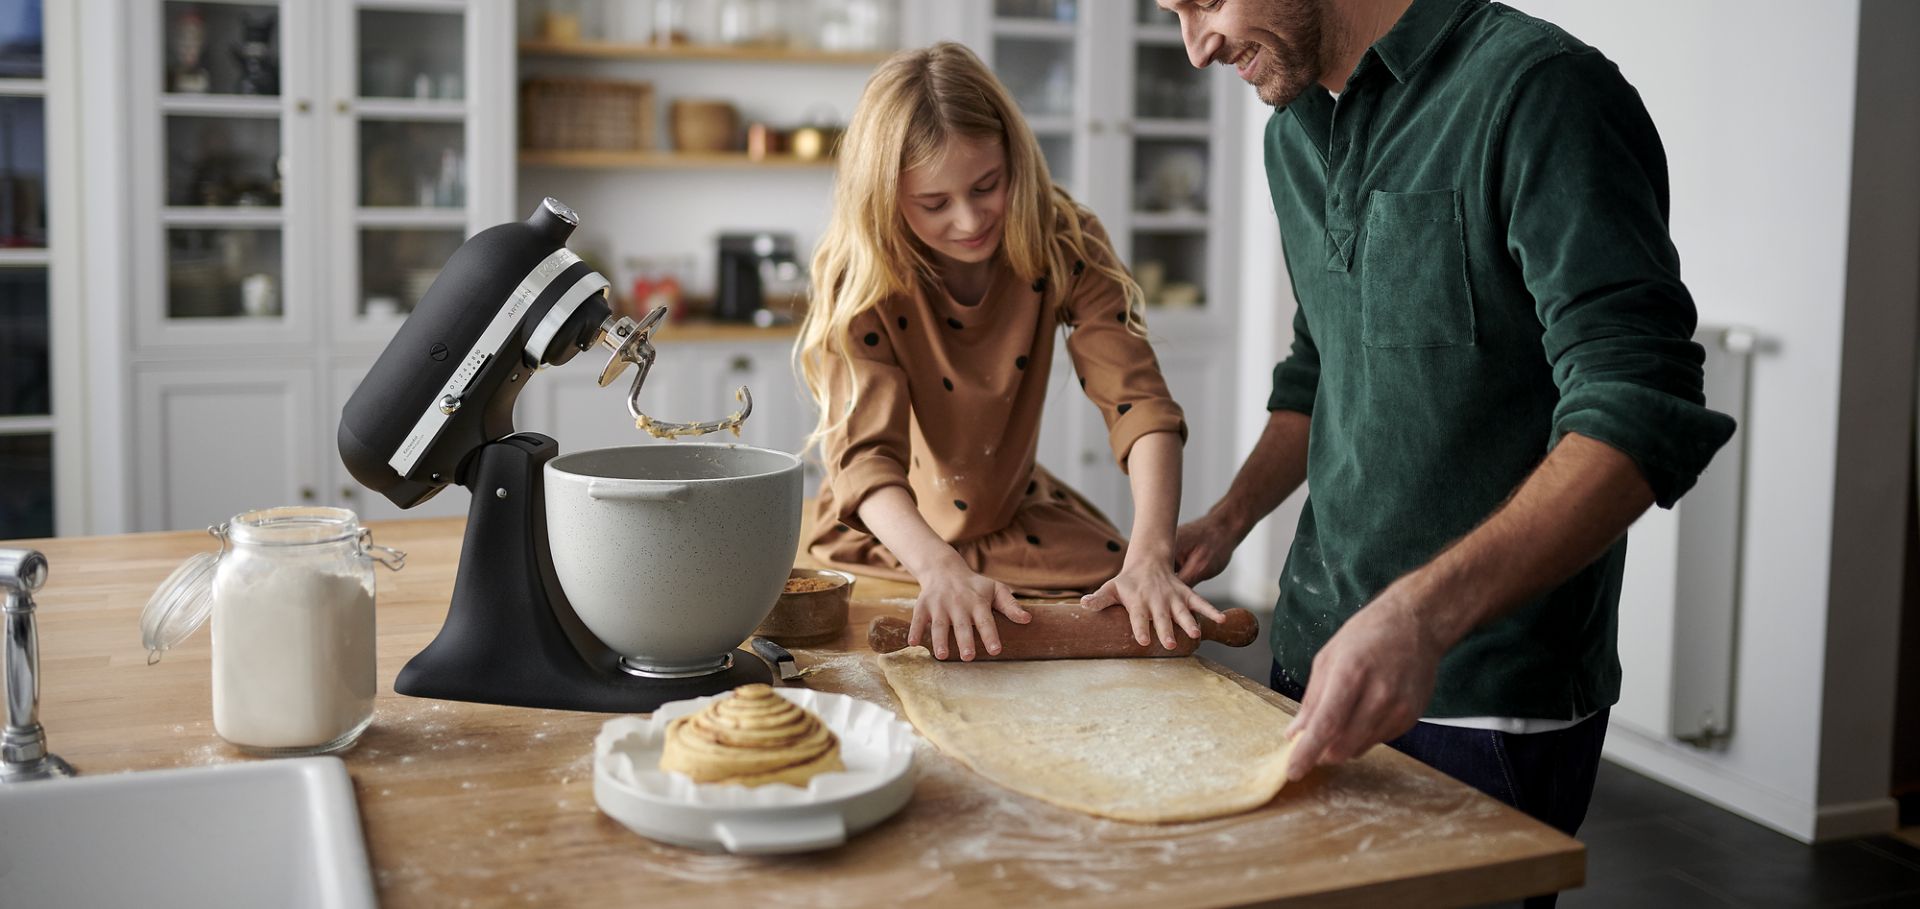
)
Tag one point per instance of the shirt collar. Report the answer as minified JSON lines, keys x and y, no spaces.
{"x":1407,"y":46}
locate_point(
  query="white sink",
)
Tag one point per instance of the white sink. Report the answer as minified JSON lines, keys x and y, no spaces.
{"x":279,"y":833}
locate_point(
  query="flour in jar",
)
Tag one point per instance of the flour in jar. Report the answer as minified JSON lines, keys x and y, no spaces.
{"x":293,"y":655}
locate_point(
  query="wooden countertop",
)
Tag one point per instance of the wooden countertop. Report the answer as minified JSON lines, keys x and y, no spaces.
{"x":485,"y":804}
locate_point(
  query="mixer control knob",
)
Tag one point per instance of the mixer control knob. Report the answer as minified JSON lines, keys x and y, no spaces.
{"x":449,"y":404}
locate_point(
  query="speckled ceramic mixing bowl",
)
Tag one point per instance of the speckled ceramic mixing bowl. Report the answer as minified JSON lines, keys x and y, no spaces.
{"x":672,"y":554}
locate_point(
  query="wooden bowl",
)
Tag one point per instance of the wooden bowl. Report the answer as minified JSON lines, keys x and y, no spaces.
{"x":812,"y":611}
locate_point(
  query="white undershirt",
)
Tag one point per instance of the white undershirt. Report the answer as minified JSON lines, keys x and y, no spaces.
{"x":1516,"y":725}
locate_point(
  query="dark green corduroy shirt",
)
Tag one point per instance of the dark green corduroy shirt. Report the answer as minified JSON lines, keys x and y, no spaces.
{"x":1476,"y":231}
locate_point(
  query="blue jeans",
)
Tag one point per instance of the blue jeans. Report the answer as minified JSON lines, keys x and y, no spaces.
{"x":1546,"y":775}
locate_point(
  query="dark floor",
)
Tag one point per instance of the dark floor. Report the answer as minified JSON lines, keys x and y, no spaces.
{"x":1652,"y":846}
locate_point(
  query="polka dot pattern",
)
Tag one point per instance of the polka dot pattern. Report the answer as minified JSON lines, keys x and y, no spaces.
{"x":1020,"y":363}
{"x":1033,"y":540}
{"x":959,"y":504}
{"x":902,"y":322}
{"x":947,"y":382}
{"x":1124,"y":408}
{"x":872,"y":339}
{"x":954,"y":323}
{"x":1112,"y":546}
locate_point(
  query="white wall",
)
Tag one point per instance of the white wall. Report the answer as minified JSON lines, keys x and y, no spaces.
{"x":1755,"y":103}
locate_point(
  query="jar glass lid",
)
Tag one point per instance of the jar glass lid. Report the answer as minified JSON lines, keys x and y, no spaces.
{"x":179,"y":605}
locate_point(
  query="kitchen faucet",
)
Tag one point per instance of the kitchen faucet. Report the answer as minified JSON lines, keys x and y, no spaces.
{"x":23,"y":744}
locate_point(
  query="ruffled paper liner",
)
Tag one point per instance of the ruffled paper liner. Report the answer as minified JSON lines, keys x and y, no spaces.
{"x":876,"y":745}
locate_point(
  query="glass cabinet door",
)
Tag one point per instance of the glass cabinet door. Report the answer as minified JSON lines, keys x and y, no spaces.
{"x":1171,"y":158}
{"x":403,"y":153}
{"x":26,"y":361}
{"x":1035,"y":54}
{"x":223,"y":162}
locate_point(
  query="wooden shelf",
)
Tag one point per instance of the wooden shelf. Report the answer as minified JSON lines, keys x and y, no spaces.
{"x":605,"y":50}
{"x":662,"y":160}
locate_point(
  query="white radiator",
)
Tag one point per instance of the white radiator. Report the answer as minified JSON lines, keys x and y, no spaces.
{"x":1680,"y":601}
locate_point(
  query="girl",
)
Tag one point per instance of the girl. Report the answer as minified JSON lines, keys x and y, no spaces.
{"x":949,"y":259}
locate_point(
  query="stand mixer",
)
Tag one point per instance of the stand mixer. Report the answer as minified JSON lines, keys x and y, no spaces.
{"x":437,"y":408}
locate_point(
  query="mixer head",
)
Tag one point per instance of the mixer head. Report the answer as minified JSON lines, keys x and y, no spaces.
{"x":512,"y":300}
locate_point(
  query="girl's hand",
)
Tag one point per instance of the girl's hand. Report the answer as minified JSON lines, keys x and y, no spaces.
{"x":1156,"y":602}
{"x":961,"y":602}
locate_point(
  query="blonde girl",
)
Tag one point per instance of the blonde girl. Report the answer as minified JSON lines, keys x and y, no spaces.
{"x":950,"y":259}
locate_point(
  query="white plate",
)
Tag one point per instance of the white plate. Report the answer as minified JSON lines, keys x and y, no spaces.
{"x":876,"y":746}
{"x":279,"y":833}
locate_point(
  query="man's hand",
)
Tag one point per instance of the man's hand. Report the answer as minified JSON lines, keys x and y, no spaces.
{"x":1202,"y":547}
{"x":1370,"y":683}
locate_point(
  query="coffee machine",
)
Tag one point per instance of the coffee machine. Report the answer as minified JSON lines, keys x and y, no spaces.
{"x":761,"y":278}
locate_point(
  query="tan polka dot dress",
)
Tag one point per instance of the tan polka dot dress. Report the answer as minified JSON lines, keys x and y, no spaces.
{"x":949,"y":404}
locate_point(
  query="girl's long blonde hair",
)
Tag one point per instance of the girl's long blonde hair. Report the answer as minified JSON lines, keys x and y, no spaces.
{"x":917,"y":102}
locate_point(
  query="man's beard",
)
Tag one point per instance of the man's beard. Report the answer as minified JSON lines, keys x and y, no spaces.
{"x":1293,"y":62}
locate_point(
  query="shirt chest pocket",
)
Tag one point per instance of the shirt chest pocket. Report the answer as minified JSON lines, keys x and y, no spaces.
{"x":1413,"y":272}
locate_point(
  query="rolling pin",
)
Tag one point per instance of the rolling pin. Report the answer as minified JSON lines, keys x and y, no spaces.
{"x":1070,"y":631}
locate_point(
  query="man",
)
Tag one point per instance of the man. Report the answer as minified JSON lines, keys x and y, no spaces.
{"x":1492,"y":376}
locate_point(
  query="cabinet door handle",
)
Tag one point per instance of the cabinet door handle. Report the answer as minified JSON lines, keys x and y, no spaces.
{"x":348,"y":493}
{"x":303,"y":106}
{"x":307,"y":494}
{"x":740,"y":364}
{"x":1124,"y":127}
{"x":1089,"y":457}
{"x":1096,"y":127}
{"x":342,"y":107}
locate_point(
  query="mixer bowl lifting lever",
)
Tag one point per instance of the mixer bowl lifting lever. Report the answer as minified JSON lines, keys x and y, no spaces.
{"x":633,"y":343}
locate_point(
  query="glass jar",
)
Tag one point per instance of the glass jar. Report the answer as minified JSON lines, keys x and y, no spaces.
{"x":291,"y":596}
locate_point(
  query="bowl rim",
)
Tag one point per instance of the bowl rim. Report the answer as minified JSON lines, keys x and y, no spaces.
{"x":554,"y":467}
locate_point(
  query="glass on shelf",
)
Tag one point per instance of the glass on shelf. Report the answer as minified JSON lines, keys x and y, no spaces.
{"x":1170,"y":175}
{"x":1171,"y":268}
{"x":397,"y":265}
{"x":23,"y":172}
{"x":412,"y":164}
{"x":26,"y":498}
{"x":1039,"y":73}
{"x":222,"y":161}
{"x":20,"y":40}
{"x":1050,"y":10}
{"x":412,"y":55}
{"x":221,"y":48}
{"x":24,"y":344}
{"x":1166,"y":85}
{"x":223,"y":273}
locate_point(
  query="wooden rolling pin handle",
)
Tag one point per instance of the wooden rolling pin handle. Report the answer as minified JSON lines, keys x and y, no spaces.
{"x":1070,"y":632}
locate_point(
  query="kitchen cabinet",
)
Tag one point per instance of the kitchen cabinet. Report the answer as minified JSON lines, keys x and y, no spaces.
{"x":300,"y":172}
{"x":211,"y":442}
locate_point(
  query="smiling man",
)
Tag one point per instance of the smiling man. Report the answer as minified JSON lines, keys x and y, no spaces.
{"x":1492,"y":375}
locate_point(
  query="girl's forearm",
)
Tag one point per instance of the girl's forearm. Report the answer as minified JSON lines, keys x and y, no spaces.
{"x":890,"y":513}
{"x":1153,"y":468}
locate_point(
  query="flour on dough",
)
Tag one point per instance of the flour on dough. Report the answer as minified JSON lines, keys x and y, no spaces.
{"x":1144,"y":740}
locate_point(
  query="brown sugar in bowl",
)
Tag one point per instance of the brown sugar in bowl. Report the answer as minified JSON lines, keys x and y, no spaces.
{"x":812,"y":610}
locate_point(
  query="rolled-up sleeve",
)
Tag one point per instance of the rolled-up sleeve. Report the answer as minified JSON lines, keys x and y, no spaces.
{"x":1583,"y":189}
{"x":870,"y":448}
{"x":1296,"y":379}
{"x":1117,"y":368}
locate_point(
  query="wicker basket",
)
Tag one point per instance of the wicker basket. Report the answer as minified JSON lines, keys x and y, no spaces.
{"x":703,"y":126}
{"x":586,"y":114}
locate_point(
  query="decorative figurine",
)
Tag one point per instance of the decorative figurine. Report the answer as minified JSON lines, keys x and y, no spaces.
{"x":189,"y":45}
{"x":259,"y":65}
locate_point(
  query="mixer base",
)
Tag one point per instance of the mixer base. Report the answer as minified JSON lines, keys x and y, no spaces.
{"x":510,"y":636}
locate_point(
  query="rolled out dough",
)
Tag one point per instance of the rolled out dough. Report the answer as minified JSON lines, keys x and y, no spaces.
{"x":1145,"y":740}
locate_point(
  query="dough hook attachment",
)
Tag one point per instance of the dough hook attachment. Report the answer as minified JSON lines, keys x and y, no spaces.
{"x":632,"y":342}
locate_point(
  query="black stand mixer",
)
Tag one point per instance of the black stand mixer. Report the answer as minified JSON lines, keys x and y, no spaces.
{"x":437,"y":408}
